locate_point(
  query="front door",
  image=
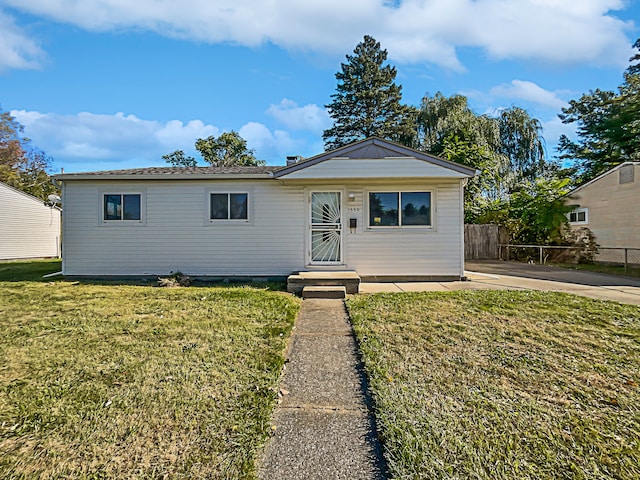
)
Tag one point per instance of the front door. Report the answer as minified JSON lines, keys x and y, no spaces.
{"x":326,"y":228}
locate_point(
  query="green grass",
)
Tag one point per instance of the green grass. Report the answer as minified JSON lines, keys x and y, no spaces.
{"x":121,"y":381}
{"x":503,"y":385}
{"x":602,"y":268}
{"x":31,"y":270}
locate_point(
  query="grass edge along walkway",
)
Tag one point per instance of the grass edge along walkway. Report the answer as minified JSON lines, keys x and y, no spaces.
{"x":323,"y":427}
{"x":503,"y":384}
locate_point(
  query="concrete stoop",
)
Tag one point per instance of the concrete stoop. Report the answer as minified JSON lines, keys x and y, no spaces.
{"x":350,"y":280}
{"x":324,"y":292}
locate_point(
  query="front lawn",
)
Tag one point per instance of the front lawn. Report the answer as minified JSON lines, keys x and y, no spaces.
{"x":501,"y":384}
{"x":108,"y":381}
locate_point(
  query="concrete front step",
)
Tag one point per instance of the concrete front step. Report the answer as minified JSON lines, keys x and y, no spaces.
{"x":324,"y":292}
{"x":348,"y":279}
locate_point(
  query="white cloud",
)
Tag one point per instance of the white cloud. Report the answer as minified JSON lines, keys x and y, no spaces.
{"x":311,"y":117}
{"x":552,"y":129}
{"x":269,"y":144}
{"x":89,"y":141}
{"x":578,"y":32}
{"x":529,"y":92}
{"x":17,"y":49}
{"x":119,"y":141}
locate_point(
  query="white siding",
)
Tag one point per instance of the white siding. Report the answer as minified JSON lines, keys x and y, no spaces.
{"x":407,"y":251}
{"x":28,"y":228}
{"x":341,"y":168}
{"x":174,"y":235}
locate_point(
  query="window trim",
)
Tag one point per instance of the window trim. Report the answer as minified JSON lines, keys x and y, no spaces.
{"x":407,"y":189}
{"x":577,"y":211}
{"x":228,"y":221}
{"x":122,"y":191}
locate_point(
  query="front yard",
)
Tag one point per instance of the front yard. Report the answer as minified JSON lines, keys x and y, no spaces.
{"x":124,"y":381}
{"x":499,"y":384}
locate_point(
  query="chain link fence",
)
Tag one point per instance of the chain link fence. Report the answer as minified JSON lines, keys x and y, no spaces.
{"x":619,"y":256}
{"x":541,"y":254}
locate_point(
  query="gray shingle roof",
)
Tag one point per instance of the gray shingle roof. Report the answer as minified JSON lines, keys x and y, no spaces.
{"x":150,"y":171}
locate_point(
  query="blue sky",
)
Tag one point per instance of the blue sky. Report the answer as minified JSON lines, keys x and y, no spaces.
{"x":107,"y":84}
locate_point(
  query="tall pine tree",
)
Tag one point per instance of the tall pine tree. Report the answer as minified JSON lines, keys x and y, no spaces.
{"x":367,"y":100}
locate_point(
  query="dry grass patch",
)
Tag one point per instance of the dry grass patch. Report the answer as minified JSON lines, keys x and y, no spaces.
{"x":499,"y":384}
{"x":100,"y":381}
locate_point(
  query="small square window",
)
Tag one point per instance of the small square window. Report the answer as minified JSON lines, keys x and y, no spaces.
{"x":122,"y":207}
{"x":579,"y":216}
{"x":229,"y":206}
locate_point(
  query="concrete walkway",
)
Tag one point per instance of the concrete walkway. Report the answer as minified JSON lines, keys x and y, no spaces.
{"x":324,"y":429}
{"x":513,"y":275}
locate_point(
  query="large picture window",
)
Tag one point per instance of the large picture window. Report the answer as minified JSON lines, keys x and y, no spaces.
{"x":122,"y":207}
{"x":229,"y":206}
{"x":399,"y":209}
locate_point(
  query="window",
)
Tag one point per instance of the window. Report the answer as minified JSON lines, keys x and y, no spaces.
{"x":579,"y":216}
{"x":229,"y":206}
{"x":122,"y":207}
{"x":399,"y":209}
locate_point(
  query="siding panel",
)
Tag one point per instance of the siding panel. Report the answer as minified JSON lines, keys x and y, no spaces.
{"x":419,"y":252}
{"x":341,"y":168}
{"x":28,"y":228}
{"x":177,"y":236}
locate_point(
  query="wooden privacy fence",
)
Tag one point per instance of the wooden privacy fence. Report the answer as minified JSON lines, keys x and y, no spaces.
{"x":482,"y":242}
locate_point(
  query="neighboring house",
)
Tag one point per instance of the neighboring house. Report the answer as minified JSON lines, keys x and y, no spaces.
{"x":28,"y":228}
{"x":375,"y":207}
{"x":609,"y":206}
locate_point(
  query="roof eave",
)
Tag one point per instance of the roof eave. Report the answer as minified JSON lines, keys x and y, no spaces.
{"x":194,"y":176}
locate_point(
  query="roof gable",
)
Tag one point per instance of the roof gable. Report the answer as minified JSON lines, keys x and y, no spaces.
{"x":15,"y":191}
{"x":601,"y":176}
{"x":374,"y":148}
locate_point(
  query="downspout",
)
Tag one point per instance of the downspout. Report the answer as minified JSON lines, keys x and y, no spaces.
{"x":61,"y":185}
{"x":463,"y":183}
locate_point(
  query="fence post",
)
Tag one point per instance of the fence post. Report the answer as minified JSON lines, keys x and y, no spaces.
{"x":626,"y":259}
{"x":540,"y":255}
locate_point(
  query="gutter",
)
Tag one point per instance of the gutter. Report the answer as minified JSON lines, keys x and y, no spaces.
{"x":193,"y":176}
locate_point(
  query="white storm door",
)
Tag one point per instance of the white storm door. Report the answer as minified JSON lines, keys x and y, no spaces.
{"x":326,"y":228}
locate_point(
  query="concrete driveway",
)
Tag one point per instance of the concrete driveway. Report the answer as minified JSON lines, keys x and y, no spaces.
{"x":498,"y":275}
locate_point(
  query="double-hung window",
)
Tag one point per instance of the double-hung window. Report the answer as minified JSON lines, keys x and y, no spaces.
{"x":122,"y":207}
{"x":400,"y":209}
{"x":228,"y":206}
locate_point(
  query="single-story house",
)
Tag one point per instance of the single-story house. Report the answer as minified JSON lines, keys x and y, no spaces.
{"x":608,"y":206}
{"x":28,"y":227}
{"x":374,"y":207}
